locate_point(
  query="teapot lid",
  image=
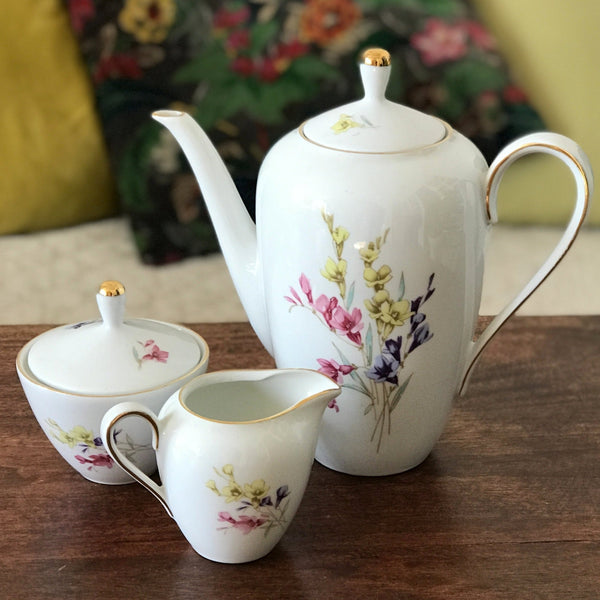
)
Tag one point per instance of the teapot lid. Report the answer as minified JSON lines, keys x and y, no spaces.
{"x":374,"y":125}
{"x":113,"y":355}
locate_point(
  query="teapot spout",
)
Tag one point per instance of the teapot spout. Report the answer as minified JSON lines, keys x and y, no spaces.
{"x":234,"y":227}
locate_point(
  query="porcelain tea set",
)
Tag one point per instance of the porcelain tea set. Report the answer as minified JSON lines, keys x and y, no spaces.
{"x":362,"y":278}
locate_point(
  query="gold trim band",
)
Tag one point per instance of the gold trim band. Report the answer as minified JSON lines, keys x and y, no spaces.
{"x":586,"y":200}
{"x":116,"y":453}
{"x":447,"y":132}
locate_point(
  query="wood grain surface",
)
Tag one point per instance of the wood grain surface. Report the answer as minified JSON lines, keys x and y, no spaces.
{"x":506,"y":506}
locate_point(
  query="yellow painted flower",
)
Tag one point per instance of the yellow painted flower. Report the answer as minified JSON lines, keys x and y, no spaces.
{"x":256,"y":491}
{"x":77,"y":435}
{"x":148,"y":21}
{"x":228,"y":470}
{"x":344,"y":123}
{"x":377,"y":279}
{"x":369,"y":254}
{"x":336,"y":272}
{"x":211,"y":485}
{"x":340,"y":235}
{"x":387,"y":313}
{"x":232,"y":492}
{"x":328,"y":219}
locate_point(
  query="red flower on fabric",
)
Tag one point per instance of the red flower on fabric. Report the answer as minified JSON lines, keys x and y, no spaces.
{"x":228,"y":19}
{"x":117,"y":66}
{"x":324,"y":20}
{"x":440,"y":42}
{"x":80,"y":11}
{"x":514,"y":94}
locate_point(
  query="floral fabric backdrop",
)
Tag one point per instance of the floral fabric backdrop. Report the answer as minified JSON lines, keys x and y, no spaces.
{"x":251,"y":71}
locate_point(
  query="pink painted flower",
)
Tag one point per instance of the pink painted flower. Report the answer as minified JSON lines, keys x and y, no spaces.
{"x":245,"y":523}
{"x":334,"y":370}
{"x":95,"y":460}
{"x":440,"y":42}
{"x":305,"y":287}
{"x":155,"y":353}
{"x":347,"y":323}
{"x":326,"y":306}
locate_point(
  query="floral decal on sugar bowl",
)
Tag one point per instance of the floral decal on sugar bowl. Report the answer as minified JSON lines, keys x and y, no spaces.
{"x":254,"y":508}
{"x":149,"y":351}
{"x":88,"y":448}
{"x":379,"y":337}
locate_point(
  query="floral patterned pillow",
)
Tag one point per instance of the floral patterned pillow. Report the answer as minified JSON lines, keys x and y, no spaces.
{"x":251,"y":71}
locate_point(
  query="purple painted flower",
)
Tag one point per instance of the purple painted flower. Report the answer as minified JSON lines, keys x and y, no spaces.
{"x":282,"y":492}
{"x":393,"y":348}
{"x":385,"y":368}
{"x":420,"y":336}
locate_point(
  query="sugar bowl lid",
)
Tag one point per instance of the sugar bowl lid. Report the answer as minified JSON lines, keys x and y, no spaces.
{"x":114,"y":355}
{"x":374,"y":125}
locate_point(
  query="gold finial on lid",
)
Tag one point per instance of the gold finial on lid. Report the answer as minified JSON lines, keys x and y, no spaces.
{"x":376,"y":57}
{"x":112,"y":288}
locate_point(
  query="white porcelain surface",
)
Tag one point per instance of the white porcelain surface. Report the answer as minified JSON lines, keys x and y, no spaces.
{"x":113,"y":355}
{"x":71,"y":421}
{"x":234,"y":452}
{"x":347,"y":240}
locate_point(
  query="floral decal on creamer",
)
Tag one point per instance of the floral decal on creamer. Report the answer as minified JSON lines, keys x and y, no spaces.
{"x":89,"y":449}
{"x":395,"y":328}
{"x":253,"y":507}
{"x":149,"y":351}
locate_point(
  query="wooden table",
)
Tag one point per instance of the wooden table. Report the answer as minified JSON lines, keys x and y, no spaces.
{"x":506,"y":506}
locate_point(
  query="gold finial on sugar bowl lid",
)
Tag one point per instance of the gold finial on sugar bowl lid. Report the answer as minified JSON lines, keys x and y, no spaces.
{"x":376,"y":57}
{"x":111,"y":288}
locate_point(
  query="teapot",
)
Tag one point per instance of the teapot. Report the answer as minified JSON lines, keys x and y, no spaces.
{"x":366,"y":261}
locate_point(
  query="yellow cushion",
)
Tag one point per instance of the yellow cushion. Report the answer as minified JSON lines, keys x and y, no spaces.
{"x":553,"y":49}
{"x":55,"y":169}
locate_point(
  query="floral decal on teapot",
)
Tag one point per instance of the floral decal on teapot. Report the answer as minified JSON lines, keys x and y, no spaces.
{"x":395,"y":328}
{"x":89,"y":448}
{"x":347,"y":122}
{"x":254,"y":507}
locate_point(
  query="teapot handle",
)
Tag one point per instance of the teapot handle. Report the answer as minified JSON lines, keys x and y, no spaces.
{"x":109,"y":421}
{"x":573,"y":156}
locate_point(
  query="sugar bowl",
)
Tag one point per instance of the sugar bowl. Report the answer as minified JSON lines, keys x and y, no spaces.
{"x":73,"y":374}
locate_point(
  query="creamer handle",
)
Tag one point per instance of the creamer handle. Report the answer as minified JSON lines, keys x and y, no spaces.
{"x":573,"y":156}
{"x":109,"y":421}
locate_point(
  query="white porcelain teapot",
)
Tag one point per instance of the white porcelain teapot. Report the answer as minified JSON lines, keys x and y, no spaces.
{"x":366,"y":261}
